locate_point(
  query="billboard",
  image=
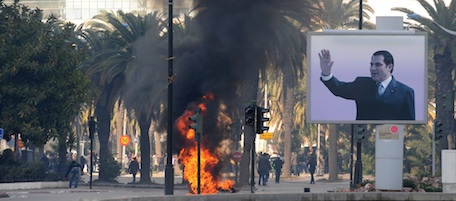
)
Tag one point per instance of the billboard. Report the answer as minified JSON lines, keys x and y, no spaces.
{"x":348,"y":90}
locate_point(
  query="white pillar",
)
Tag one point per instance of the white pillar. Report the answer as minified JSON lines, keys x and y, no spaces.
{"x":389,"y":156}
{"x":449,"y":171}
{"x":390,"y":23}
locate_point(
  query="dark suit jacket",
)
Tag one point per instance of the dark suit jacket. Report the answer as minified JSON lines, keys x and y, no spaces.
{"x":396,"y":103}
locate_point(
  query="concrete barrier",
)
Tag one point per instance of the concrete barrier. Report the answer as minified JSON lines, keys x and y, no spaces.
{"x":32,"y":185}
{"x":380,"y":196}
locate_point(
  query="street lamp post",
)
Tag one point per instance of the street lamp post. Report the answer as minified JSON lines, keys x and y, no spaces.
{"x":416,"y":16}
{"x":169,"y":169}
{"x":357,"y":178}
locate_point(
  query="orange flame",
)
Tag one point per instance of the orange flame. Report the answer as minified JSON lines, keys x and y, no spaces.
{"x":188,"y":156}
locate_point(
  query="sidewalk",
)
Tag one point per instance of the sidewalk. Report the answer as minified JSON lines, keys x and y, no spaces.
{"x":124,"y":189}
{"x":292,"y":184}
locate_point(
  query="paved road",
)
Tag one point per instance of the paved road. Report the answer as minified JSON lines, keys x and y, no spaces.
{"x":124,"y":190}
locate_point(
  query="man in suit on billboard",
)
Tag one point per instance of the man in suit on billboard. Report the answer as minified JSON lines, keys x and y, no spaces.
{"x":379,"y":97}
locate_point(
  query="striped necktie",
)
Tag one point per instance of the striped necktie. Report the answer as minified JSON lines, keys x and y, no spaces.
{"x":380,"y":89}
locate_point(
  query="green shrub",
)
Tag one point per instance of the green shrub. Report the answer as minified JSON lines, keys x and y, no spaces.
{"x":429,"y":188}
{"x":408,"y":183}
{"x":8,"y":166}
{"x":53,"y":176}
{"x":109,"y":169}
{"x":31,"y":171}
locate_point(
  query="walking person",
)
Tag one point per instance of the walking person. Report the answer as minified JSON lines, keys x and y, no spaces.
{"x":133,"y":168}
{"x":263,"y":168}
{"x":294,"y":163}
{"x":339,"y":162}
{"x":75,"y":170}
{"x":82,"y":161}
{"x":312,"y":166}
{"x":277,"y":165}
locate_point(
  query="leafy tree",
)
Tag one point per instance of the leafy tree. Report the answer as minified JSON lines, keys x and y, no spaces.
{"x":42,"y":88}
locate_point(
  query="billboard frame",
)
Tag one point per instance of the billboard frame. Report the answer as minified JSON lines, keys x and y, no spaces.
{"x":364,"y":42}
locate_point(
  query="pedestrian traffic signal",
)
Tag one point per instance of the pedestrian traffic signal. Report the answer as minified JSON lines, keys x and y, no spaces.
{"x":360,"y":132}
{"x":92,"y":127}
{"x":260,"y":128}
{"x":197,"y":125}
{"x":250,"y":115}
{"x":438,"y":131}
{"x":449,"y":101}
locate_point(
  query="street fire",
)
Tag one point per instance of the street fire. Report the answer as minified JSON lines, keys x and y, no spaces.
{"x":210,"y":179}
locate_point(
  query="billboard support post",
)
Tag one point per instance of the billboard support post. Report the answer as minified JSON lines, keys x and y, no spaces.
{"x":352,"y":187}
{"x":389,"y":156}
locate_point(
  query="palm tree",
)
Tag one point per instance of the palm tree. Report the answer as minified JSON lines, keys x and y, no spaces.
{"x":442,"y":44}
{"x":141,"y":95}
{"x":111,"y":39}
{"x":335,"y":14}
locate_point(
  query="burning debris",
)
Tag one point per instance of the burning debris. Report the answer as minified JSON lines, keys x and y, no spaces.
{"x":210,"y":178}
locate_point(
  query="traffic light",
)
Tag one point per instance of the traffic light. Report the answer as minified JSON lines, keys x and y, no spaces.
{"x":92,"y":127}
{"x":250,"y":115}
{"x":360,"y":132}
{"x":438,"y":130}
{"x":260,"y":128}
{"x":197,"y":125}
{"x":449,"y":101}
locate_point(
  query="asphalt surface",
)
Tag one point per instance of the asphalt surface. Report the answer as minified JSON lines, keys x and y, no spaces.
{"x":125,"y":189}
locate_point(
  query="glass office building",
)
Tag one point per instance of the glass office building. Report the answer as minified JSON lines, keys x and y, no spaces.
{"x":82,"y":10}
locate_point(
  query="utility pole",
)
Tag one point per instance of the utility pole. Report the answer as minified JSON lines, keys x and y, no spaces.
{"x":352,"y":186}
{"x":92,"y":131}
{"x":250,"y":114}
{"x":169,"y":169}
{"x":359,"y":135}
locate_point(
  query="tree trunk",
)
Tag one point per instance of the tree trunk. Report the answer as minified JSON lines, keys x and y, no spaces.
{"x":144,"y":124}
{"x":249,"y":88}
{"x":158,"y":147}
{"x":103,"y":115}
{"x":287,"y":124}
{"x":443,"y":70}
{"x":333,"y":136}
{"x":62,"y":149}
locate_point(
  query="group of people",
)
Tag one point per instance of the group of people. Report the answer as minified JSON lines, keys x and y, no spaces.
{"x":267,"y":163}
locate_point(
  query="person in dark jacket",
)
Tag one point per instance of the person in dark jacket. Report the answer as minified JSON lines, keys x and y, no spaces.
{"x":379,"y":97}
{"x":277,"y":165}
{"x":312,"y":166}
{"x":75,"y":170}
{"x":264,"y":166}
{"x":133,"y":168}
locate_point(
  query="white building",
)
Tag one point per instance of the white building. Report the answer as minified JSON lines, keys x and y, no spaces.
{"x":82,"y":10}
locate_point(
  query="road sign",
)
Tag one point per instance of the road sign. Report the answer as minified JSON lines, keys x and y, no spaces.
{"x":125,"y":140}
{"x":267,"y":136}
{"x":1,"y":133}
{"x":237,"y":155}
